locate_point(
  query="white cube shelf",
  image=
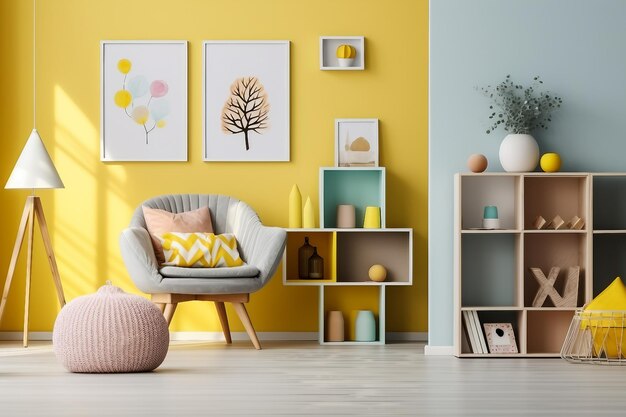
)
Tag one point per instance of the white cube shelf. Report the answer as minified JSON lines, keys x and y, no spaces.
{"x":328,"y":52}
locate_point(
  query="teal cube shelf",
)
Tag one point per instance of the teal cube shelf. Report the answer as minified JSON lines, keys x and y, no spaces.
{"x":360,"y":187}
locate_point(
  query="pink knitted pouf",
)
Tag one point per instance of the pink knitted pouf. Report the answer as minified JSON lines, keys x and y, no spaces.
{"x":110,"y":331}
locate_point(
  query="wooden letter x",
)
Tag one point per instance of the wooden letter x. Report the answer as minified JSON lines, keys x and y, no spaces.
{"x":546,"y":287}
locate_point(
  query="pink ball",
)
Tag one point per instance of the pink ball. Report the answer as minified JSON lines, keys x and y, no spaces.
{"x":158,"y":88}
{"x":477,"y":162}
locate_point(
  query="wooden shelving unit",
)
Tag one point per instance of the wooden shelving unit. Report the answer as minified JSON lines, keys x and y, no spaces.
{"x":492,"y":275}
{"x":349,"y":253}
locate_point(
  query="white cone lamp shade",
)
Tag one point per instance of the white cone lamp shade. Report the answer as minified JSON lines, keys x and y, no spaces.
{"x":34,"y":168}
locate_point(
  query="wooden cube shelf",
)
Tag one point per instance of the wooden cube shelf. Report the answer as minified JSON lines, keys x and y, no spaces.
{"x":492,"y":267}
{"x":360,"y":187}
{"x":348,"y":254}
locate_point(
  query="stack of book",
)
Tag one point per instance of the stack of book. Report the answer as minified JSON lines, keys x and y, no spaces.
{"x":473,"y":332}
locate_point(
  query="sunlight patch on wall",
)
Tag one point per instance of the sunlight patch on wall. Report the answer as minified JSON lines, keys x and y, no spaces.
{"x":76,"y":211}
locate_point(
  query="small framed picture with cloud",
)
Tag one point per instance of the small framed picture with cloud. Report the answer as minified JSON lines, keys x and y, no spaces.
{"x":500,"y":337}
{"x":356,"y":142}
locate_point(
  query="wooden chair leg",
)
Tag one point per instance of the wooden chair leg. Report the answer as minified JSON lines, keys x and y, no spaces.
{"x":169,"y":312}
{"x":161,"y":307}
{"x":245,"y":320}
{"x":221,"y":312}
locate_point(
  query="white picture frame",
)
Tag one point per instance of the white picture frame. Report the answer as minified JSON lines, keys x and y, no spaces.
{"x":153,"y":76}
{"x":500,"y":338}
{"x":356,"y":142}
{"x":232,"y":67}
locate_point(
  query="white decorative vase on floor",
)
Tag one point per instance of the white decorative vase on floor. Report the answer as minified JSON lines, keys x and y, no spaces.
{"x":519,"y":153}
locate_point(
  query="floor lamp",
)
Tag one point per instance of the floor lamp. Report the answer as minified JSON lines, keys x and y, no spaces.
{"x":34,"y":169}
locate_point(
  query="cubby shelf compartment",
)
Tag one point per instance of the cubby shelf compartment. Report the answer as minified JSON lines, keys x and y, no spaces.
{"x":358,"y":186}
{"x":609,"y":260}
{"x":331,"y":298}
{"x":514,"y":315}
{"x":328,"y":52}
{"x":491,"y":267}
{"x":546,"y":330}
{"x":549,"y":250}
{"x":609,"y":200}
{"x":502,"y":191}
{"x":489,"y":270}
{"x":565,"y":195}
{"x":348,"y":254}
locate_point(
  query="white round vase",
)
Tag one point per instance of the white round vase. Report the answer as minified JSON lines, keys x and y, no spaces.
{"x":519,"y":153}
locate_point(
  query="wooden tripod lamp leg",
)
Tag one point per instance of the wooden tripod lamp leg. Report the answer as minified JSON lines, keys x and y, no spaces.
{"x":29,"y":271}
{"x":48,"y":245}
{"x":32,"y":208}
{"x":28,"y":209}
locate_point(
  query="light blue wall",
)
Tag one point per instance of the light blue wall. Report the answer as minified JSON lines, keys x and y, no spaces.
{"x":578,"y":47}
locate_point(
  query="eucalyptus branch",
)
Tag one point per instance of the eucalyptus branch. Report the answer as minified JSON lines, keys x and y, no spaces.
{"x":520,"y":109}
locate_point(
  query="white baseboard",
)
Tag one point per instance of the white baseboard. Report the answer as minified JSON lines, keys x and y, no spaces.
{"x":219,"y":336}
{"x":438,"y":350}
{"x":35,"y":336}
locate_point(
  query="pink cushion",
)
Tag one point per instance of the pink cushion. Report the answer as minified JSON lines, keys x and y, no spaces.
{"x":161,"y":221}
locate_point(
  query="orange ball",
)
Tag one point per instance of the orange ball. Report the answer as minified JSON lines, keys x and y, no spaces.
{"x":477,"y":162}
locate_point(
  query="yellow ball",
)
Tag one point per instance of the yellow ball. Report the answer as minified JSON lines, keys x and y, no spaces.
{"x":550,"y":162}
{"x":377,"y":273}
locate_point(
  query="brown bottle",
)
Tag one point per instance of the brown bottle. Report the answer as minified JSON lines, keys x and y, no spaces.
{"x":316,"y":266}
{"x":304,"y":253}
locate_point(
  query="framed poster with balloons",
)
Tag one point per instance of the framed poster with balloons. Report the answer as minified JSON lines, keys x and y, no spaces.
{"x":143,"y":101}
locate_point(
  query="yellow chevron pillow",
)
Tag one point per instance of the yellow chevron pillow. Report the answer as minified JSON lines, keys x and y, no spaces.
{"x":200,"y":250}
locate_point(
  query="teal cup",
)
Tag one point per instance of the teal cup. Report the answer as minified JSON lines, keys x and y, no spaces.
{"x":490,"y":212}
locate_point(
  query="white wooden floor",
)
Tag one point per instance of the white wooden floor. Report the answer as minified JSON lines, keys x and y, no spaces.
{"x":303,"y":378}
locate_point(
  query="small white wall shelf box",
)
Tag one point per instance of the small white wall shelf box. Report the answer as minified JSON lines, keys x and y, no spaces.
{"x":328,"y":52}
{"x":492,"y":268}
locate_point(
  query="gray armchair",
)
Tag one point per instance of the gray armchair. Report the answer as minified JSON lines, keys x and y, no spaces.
{"x":259,"y":246}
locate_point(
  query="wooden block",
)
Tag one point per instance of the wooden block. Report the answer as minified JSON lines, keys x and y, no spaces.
{"x":546,"y":285}
{"x":570,"y":293}
{"x":575,"y":223}
{"x":539,"y":222}
{"x":556,"y":223}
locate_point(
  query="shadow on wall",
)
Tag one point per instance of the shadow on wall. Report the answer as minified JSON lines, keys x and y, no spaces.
{"x":88,"y":215}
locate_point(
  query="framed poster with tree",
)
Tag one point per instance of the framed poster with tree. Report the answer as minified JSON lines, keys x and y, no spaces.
{"x":143,"y":101}
{"x":246,"y":101}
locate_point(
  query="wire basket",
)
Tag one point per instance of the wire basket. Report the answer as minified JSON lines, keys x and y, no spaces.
{"x":596,"y":336}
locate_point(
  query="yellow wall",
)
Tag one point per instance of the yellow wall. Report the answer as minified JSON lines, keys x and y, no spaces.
{"x":88,"y":215}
